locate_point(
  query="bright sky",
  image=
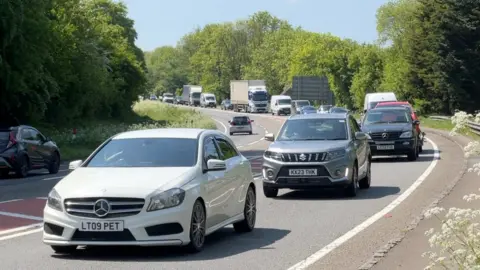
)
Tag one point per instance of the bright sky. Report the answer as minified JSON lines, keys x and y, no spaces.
{"x":160,"y":23}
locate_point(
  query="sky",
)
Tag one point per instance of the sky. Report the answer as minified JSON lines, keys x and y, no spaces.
{"x":161,"y":22}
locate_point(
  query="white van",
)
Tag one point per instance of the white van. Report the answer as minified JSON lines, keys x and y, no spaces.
{"x":372,"y":99}
{"x":281,"y":105}
{"x":208,"y":100}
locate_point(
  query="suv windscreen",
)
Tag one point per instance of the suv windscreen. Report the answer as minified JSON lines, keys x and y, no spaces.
{"x":313,"y":129}
{"x":146,"y":152}
{"x":239,"y":121}
{"x":386,"y":117}
{"x":210,"y":98}
{"x":308,"y":108}
{"x":302,"y":103}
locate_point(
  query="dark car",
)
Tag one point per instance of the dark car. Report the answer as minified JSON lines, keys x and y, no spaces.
{"x":24,"y":148}
{"x":392,"y":131}
{"x":226,"y":105}
{"x":307,"y":110}
{"x":338,"y":110}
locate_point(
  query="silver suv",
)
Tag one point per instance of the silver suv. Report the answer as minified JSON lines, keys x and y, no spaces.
{"x":317,"y":150}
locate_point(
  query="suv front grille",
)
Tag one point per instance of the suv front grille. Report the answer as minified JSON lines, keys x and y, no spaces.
{"x":303,"y":157}
{"x":119,"y":207}
{"x":378,"y":136}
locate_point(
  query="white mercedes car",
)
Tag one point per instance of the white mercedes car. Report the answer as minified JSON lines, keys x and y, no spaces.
{"x":152,"y":188}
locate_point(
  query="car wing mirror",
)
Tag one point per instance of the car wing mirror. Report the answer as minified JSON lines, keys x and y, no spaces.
{"x":270,"y":137}
{"x":74,"y":164}
{"x":216,"y":165}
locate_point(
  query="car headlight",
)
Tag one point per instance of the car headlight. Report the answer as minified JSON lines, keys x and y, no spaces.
{"x":273,"y":155}
{"x":166,"y":199}
{"x":406,"y":134}
{"x":54,"y":200}
{"x":335,"y":154}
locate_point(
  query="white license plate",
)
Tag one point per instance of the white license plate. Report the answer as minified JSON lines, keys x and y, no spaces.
{"x":380,"y":142}
{"x":302,"y":172}
{"x":385,"y":147}
{"x":101,"y":226}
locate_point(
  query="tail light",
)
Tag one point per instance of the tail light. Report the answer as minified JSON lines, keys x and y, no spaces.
{"x":11,"y":140}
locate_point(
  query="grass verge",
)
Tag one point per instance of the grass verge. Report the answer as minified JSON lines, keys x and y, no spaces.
{"x":445,"y":125}
{"x":146,"y":115}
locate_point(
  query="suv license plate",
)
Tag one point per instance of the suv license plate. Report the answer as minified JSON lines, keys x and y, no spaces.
{"x":385,"y":147}
{"x":303,"y":172}
{"x":101,"y":226}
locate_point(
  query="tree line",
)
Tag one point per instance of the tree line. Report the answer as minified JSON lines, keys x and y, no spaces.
{"x":427,"y":52}
{"x":62,"y":60}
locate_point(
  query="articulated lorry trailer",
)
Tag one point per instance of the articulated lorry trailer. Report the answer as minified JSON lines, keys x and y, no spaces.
{"x":249,"y":96}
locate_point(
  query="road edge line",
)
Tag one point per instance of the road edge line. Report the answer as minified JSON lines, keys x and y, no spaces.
{"x":20,"y":234}
{"x":23,"y":228}
{"x":372,"y":219}
{"x":10,"y":214}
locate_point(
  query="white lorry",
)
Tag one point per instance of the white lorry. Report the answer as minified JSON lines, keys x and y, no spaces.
{"x":208,"y":100}
{"x":191,"y":95}
{"x":249,"y":95}
{"x":372,"y":99}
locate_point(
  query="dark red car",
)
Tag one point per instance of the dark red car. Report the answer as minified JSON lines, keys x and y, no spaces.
{"x":403,"y":104}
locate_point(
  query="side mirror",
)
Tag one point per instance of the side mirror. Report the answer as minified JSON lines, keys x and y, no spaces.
{"x":74,"y":164}
{"x":48,"y":139}
{"x":229,"y":121}
{"x":360,"y":135}
{"x":269,"y":137}
{"x":216,"y":165}
{"x":416,"y":122}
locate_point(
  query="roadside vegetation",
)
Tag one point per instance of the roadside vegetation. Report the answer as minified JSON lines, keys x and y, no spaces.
{"x":456,"y":244}
{"x":145,"y":115}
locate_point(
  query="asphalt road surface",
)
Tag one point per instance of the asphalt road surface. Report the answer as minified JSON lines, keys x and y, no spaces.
{"x":289,"y":228}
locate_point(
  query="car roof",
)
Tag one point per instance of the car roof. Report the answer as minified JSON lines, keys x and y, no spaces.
{"x":241,"y":116}
{"x":319,"y":116}
{"x":394,"y":103}
{"x":183,"y":133}
{"x":388,"y":109}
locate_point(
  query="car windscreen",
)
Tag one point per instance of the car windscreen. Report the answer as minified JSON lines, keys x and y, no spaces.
{"x":240,"y":120}
{"x":308,"y":108}
{"x":284,"y":101}
{"x":386,"y":117}
{"x":338,"y":110}
{"x":146,"y":152}
{"x":313,"y":129}
{"x":395,"y":106}
{"x":210,"y":98}
{"x":302,"y":103}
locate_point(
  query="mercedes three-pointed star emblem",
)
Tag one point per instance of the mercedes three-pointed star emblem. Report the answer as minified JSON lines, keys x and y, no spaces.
{"x":101,"y":208}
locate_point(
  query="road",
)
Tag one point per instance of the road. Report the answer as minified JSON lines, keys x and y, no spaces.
{"x":289,"y":229}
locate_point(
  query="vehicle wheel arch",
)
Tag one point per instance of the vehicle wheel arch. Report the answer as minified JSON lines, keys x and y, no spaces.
{"x":252,"y":185}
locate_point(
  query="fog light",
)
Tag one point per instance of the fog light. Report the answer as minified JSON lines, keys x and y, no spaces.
{"x":338,"y":173}
{"x":270,"y":174}
{"x":406,"y":143}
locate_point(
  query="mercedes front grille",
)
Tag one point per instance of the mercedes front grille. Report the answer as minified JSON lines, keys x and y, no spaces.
{"x":119,"y":207}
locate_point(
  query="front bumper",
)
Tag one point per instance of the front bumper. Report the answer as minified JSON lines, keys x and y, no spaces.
{"x":400,"y":147}
{"x":165,"y":227}
{"x":276,"y":174}
{"x":258,"y":109}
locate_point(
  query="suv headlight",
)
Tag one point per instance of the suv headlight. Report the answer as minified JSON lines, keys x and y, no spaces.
{"x":406,"y":134}
{"x":166,"y":199}
{"x":335,"y":154}
{"x":273,"y":155}
{"x":54,"y":200}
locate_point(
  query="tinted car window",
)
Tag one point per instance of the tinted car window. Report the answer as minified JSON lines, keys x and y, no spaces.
{"x":146,"y":152}
{"x":226,"y":148}
{"x":4,"y":138}
{"x":243,"y":120}
{"x":313,"y":129}
{"x":390,"y":116}
{"x":210,"y":150}
{"x":27,"y":134}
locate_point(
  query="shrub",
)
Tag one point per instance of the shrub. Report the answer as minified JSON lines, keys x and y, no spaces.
{"x":458,"y":240}
{"x":164,"y":116}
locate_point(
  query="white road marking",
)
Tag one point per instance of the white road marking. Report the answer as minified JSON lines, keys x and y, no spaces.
{"x":20,"y":234}
{"x":53,"y":178}
{"x":223,"y":125}
{"x":11,"y":201}
{"x":9,"y":214}
{"x":347,"y":236}
{"x":23,"y":228}
{"x":42,"y":198}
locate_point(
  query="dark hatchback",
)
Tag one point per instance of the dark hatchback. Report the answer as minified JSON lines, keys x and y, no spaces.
{"x":392,"y":132}
{"x":24,"y":148}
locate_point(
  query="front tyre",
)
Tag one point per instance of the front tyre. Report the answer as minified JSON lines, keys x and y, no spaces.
{"x":364,"y":183}
{"x":270,"y":192}
{"x":197,"y":228}
{"x":54,"y":165}
{"x":351,"y":189}
{"x":64,"y":249}
{"x":249,"y":212}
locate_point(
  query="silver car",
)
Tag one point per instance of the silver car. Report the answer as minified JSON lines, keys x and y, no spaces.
{"x":316,"y":151}
{"x":241,"y":124}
